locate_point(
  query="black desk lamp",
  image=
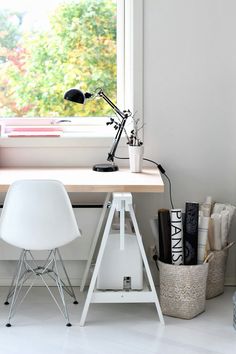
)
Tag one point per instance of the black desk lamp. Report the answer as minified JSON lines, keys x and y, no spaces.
{"x":78,"y":96}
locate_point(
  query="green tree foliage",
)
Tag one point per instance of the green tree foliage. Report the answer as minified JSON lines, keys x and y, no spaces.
{"x":78,"y":50}
{"x":9,"y":32}
{"x":10,"y":56}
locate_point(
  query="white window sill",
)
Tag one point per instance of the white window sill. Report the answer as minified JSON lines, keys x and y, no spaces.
{"x":67,"y":140}
{"x":73,"y":135}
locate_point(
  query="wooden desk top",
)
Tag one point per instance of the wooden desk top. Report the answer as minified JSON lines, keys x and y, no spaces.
{"x":87,"y":180}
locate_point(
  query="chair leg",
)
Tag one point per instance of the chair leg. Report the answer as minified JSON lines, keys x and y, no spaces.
{"x":12,"y":287}
{"x":60,"y":289}
{"x":15,"y":293}
{"x":69,"y":289}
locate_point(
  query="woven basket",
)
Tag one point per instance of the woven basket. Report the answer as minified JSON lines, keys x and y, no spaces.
{"x":183,"y":289}
{"x":216,"y":272}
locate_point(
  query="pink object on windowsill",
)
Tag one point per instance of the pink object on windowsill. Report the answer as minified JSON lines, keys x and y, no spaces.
{"x":35,"y":132}
{"x":37,"y":129}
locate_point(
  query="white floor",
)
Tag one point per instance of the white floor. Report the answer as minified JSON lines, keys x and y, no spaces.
{"x":38,"y":328}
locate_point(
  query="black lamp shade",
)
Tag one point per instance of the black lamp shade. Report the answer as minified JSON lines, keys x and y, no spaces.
{"x":75,"y":95}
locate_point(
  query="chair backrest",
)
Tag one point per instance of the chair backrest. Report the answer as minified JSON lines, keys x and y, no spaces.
{"x":38,"y":215}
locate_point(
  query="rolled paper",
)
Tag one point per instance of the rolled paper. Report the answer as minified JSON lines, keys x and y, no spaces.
{"x":231,"y":209}
{"x":206,"y":207}
{"x":164,"y":235}
{"x":211,"y":234}
{"x":208,"y":248}
{"x":218,"y":208}
{"x":217,"y":244}
{"x":177,"y":255}
{"x":203,"y":225}
{"x":224,"y":228}
{"x":191,"y":233}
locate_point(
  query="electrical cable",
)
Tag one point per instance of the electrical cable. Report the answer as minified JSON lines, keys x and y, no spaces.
{"x":155,"y":258}
{"x":161,"y":169}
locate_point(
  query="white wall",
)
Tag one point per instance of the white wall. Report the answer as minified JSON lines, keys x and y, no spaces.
{"x":189,"y":107}
{"x":190,"y":100}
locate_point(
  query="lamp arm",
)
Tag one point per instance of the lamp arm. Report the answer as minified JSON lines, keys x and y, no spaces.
{"x":113,"y":106}
{"x":112,"y":152}
{"x":124,"y":115}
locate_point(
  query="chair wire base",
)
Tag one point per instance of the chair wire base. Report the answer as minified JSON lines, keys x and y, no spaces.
{"x":27,"y":268}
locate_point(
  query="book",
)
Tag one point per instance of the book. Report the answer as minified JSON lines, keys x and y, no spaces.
{"x":164,"y":235}
{"x":35,"y":135}
{"x":191,"y":233}
{"x":40,"y":132}
{"x":177,"y":253}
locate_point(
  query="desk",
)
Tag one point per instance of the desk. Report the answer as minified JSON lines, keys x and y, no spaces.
{"x":86,"y":180}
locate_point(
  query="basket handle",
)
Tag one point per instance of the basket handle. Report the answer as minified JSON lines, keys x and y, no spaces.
{"x":209,"y":257}
{"x":229,"y":245}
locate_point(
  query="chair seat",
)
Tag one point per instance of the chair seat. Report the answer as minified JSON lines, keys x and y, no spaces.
{"x":37,"y":215}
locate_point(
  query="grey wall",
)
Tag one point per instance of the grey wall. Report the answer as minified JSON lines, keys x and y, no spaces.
{"x":190,"y":101}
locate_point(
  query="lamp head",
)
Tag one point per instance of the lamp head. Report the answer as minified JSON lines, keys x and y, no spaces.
{"x":77,"y":96}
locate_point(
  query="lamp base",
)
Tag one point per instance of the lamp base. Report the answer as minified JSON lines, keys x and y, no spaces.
{"x":105,"y":167}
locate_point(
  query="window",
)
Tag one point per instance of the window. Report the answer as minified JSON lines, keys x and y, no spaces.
{"x":48,"y":46}
{"x":83,"y":43}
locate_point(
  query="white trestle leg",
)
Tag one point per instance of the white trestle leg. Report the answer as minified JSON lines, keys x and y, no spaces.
{"x":122,"y":202}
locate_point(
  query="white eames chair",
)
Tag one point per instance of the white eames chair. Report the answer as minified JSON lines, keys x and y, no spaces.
{"x":37,"y":215}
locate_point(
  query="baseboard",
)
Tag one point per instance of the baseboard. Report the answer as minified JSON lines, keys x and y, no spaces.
{"x":5,"y":281}
{"x":230,"y":281}
{"x":76,"y":281}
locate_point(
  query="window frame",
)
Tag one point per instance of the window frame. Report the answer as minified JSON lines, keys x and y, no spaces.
{"x":88,"y":131}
